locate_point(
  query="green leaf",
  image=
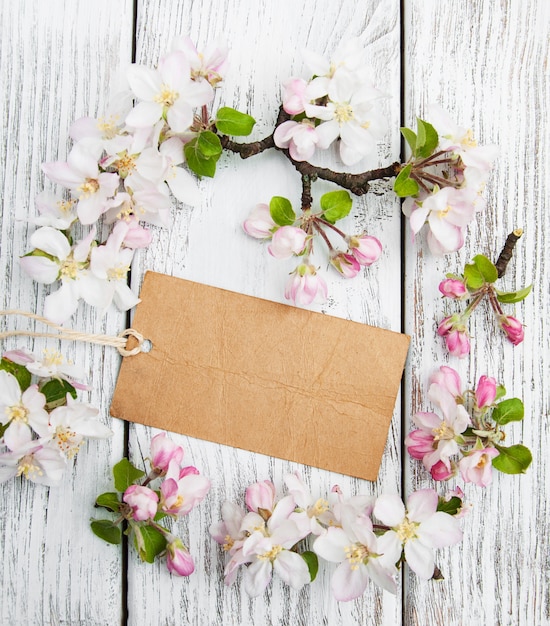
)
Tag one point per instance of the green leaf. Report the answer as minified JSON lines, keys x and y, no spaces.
{"x":125,"y":474}
{"x":197,"y":161}
{"x":312,"y":563}
{"x":20,"y":372}
{"x":108,"y":500}
{"x":404,"y":185}
{"x":511,"y":297}
{"x":513,"y":460}
{"x":510,"y":410}
{"x":209,"y":144}
{"x":231,"y":122}
{"x":452,"y":507}
{"x":410,"y":137}
{"x":336,"y":205}
{"x":281,"y":211}
{"x":501,"y":392}
{"x":106,"y":530}
{"x":149,"y":542}
{"x":56,"y":391}
{"x":427,"y":139}
{"x":479,"y":272}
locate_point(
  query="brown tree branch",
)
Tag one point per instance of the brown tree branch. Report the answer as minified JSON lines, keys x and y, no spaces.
{"x":507,"y":251}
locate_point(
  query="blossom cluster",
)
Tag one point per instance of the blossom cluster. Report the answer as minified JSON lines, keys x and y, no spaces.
{"x":367,"y":537}
{"x":182,"y":487}
{"x":121,"y":169}
{"x":42,"y":425}
{"x":292,"y":236}
{"x":443,"y":180}
{"x":470,"y":427}
{"x":475,"y":285}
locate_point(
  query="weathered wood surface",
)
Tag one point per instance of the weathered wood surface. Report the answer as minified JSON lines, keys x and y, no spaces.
{"x":484,"y":61}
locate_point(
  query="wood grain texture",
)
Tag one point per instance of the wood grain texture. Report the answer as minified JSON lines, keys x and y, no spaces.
{"x":486,"y":62}
{"x":55,"y":64}
{"x":207,"y":244}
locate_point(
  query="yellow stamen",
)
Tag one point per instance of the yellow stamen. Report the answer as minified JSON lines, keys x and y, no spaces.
{"x":118,"y":273}
{"x":17,"y":413}
{"x":88,"y":188}
{"x":229,"y":542}
{"x":443,"y":431}
{"x":271,"y":555}
{"x":356,"y":554}
{"x":70,"y":269}
{"x":108,"y":127}
{"x":125,"y":164}
{"x":444,"y":212}
{"x":68,"y":441}
{"x":343,"y":113}
{"x":52,"y":357}
{"x":468,"y":140}
{"x":65,"y":206}
{"x":406,"y":530}
{"x":28,"y":468}
{"x":318,"y":508}
{"x":166,"y":96}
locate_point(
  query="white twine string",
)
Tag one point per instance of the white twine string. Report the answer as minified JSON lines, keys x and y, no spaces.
{"x":74,"y":335}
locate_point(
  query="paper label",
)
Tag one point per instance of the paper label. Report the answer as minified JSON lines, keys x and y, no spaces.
{"x":261,"y":376}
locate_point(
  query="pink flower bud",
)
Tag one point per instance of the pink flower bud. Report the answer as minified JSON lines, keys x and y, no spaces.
{"x":294,"y":96}
{"x":419,"y":443}
{"x":486,"y":391}
{"x":260,"y":495}
{"x":346,"y":264}
{"x":477,"y":467}
{"x":365,"y":249}
{"x":449,"y":379}
{"x":137,"y":236}
{"x":458,"y":343}
{"x":178,"y":559}
{"x":304,"y":285}
{"x":440,"y":471}
{"x":143,"y":502}
{"x":162,"y":451}
{"x":513,"y":329}
{"x":286,"y":241}
{"x":259,"y":223}
{"x":452,"y":288}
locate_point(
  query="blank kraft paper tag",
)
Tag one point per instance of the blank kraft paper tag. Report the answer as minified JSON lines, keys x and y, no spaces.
{"x":261,"y":376}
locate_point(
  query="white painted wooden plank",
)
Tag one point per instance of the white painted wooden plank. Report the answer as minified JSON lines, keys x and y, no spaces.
{"x":486,"y":62}
{"x":55,"y":64}
{"x":207,"y":245}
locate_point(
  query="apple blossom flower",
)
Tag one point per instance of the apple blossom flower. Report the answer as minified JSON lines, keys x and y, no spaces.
{"x":54,"y":211}
{"x":304,"y":285}
{"x":110,"y":263}
{"x":456,"y":336}
{"x":259,"y":223}
{"x":167,"y":91}
{"x":146,"y":202}
{"x":209,"y":65}
{"x":67,"y":263}
{"x":163,"y":450}
{"x":178,"y":559}
{"x":142,"y":501}
{"x":416,"y":529}
{"x":287,"y":241}
{"x":486,"y":392}
{"x":20,"y":411}
{"x":54,"y":365}
{"x":260,"y":495}
{"x":513,"y":328}
{"x":449,"y":379}
{"x":477,"y":467}
{"x":70,"y":424}
{"x":38,"y":462}
{"x":419,"y":443}
{"x":182,"y":185}
{"x":182,"y":489}
{"x":348,"y":56}
{"x":440,"y":471}
{"x":345,"y":264}
{"x":355,"y":547}
{"x":228,"y":532}
{"x":295,"y":95}
{"x":453,"y":288}
{"x":365,"y":248}
{"x":300,"y":138}
{"x":310,"y":513}
{"x":82,"y":176}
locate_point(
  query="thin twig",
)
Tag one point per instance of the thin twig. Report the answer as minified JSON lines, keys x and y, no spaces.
{"x":507,"y":251}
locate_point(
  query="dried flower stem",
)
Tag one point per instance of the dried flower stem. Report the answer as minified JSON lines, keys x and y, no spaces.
{"x":507,"y":251}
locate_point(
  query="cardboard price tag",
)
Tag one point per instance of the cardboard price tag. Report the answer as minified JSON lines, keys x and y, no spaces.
{"x":262,"y":376}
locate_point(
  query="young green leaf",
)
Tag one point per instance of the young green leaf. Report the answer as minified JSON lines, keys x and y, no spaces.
{"x":479,"y":272}
{"x":426,"y":140}
{"x":312,"y":563}
{"x":125,"y":474}
{"x":404,"y":185}
{"x":510,"y":410}
{"x":149,"y":542}
{"x":20,"y":372}
{"x":513,"y":460}
{"x":198,"y":163}
{"x":281,"y":211}
{"x":512,"y":297}
{"x":232,"y":122}
{"x":209,"y":144}
{"x":106,"y":530}
{"x":486,"y":268}
{"x":108,"y":500}
{"x":56,"y":391}
{"x":410,"y":137}
{"x":452,"y":506}
{"x":501,"y":392}
{"x":336,"y":205}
